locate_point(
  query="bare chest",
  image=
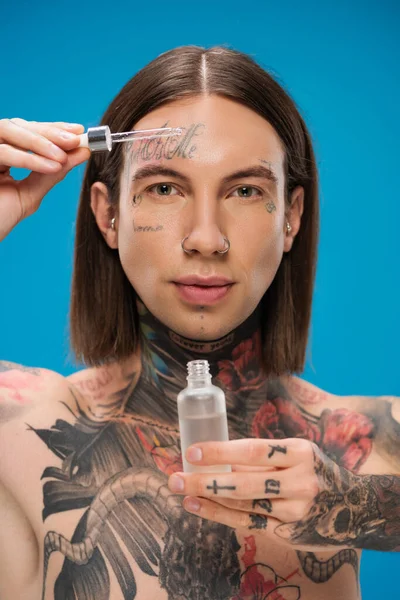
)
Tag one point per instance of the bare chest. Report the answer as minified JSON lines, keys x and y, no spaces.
{"x":112,"y":530}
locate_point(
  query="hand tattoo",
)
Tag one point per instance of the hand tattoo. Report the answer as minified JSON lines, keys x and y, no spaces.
{"x":258,"y":521}
{"x":274,"y":449}
{"x":264,"y":503}
{"x":272,"y":486}
{"x":360,"y":511}
{"x":215,"y":487}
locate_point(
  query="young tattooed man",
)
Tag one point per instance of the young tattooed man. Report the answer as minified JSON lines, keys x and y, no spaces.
{"x":189,"y":247}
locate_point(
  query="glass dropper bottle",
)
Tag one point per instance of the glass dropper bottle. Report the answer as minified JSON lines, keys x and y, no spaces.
{"x":202,"y":415}
{"x":99,"y":139}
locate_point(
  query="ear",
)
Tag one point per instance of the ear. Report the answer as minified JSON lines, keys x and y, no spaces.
{"x":103,"y":213}
{"x":293,"y":216}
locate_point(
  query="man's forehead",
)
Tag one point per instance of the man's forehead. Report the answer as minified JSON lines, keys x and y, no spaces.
{"x":200,"y":144}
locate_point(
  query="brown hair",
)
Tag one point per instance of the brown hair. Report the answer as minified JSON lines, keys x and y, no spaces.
{"x":104,"y":320}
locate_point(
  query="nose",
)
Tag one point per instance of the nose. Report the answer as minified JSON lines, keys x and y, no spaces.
{"x":205,"y":236}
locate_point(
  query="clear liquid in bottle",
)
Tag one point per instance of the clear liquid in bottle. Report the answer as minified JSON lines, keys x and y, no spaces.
{"x":202,"y":415}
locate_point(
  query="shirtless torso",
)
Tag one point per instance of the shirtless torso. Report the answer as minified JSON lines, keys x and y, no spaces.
{"x":63,"y":439}
{"x":85,"y":510}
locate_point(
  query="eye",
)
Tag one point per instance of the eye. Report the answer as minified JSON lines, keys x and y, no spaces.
{"x":163,"y":189}
{"x":247,"y":191}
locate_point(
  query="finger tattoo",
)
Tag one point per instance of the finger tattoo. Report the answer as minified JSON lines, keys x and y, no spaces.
{"x":272,"y":486}
{"x":274,"y":449}
{"x":215,"y":487}
{"x":265,"y":504}
{"x":258,"y":521}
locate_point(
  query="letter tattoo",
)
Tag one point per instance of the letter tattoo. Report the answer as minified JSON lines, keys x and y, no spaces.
{"x":274,"y":449}
{"x":272,"y":486}
{"x":158,"y":149}
{"x":264,"y":503}
{"x":147,"y":228}
{"x":258,"y":521}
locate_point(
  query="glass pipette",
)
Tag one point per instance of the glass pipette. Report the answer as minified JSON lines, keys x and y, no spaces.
{"x":98,"y":139}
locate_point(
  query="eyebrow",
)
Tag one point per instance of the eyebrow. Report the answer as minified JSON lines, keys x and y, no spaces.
{"x":152,"y":170}
{"x":258,"y":171}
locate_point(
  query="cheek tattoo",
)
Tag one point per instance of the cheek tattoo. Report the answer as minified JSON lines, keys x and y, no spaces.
{"x":270,"y":206}
{"x":145,"y":228}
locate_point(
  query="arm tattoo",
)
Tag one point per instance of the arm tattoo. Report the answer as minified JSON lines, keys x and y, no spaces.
{"x":360,"y":511}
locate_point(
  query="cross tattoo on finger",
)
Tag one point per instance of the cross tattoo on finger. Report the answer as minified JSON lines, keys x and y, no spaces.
{"x":215,"y":487}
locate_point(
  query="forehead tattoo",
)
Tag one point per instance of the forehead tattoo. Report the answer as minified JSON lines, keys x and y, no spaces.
{"x":182,"y":146}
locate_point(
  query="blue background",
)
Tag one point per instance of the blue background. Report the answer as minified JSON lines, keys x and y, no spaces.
{"x":66,"y":61}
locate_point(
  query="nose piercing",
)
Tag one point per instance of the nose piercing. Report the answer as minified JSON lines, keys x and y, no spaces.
{"x":183,"y":246}
{"x":227,"y":245}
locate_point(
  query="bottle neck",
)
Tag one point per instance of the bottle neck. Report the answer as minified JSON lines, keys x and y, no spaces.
{"x":199,"y":381}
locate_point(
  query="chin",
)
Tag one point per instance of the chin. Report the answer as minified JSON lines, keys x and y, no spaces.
{"x":201,"y":325}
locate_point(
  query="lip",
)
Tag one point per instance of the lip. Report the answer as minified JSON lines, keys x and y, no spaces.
{"x":213,"y":281}
{"x":202,"y":294}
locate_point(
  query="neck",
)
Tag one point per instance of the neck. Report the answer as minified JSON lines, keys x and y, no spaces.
{"x":235,"y":360}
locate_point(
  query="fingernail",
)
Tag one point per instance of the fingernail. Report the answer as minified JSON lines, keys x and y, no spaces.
{"x":56,"y":152}
{"x":72,"y":125}
{"x":176,"y":483}
{"x":192,"y":504}
{"x":194,"y":454}
{"x":50,"y":164}
{"x":67,"y":136}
